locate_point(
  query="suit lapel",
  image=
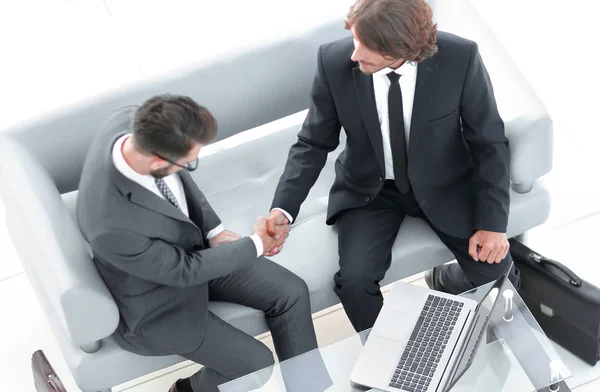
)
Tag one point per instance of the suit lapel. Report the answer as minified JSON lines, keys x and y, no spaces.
{"x":365,"y":94}
{"x":193,"y":198}
{"x":424,"y":91}
{"x":143,"y":197}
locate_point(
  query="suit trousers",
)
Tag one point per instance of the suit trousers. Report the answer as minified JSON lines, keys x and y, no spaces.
{"x":365,"y":239}
{"x":228,"y":353}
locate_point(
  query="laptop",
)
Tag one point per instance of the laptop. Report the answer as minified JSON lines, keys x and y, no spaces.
{"x":424,"y":340}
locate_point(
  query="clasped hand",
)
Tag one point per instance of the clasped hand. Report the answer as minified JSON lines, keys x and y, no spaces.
{"x":276,"y":222}
{"x":273,"y":233}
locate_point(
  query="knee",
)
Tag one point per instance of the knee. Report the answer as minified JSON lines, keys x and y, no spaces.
{"x":350,"y":283}
{"x":296,"y":290}
{"x":262,"y":358}
{"x":260,"y":367}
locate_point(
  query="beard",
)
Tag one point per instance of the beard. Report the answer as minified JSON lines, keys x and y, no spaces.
{"x":160,"y":173}
{"x":366,"y":71}
{"x":370,"y":69}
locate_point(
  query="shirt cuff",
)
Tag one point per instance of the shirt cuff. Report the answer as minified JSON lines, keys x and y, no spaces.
{"x":287,"y":215}
{"x":216,"y":231}
{"x":258,"y":243}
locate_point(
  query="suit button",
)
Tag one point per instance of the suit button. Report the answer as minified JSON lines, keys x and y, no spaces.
{"x":380,"y":178}
{"x":367,"y":198}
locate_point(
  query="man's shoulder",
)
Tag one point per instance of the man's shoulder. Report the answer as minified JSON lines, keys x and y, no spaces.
{"x":452,"y":45}
{"x":337,"y":53}
{"x":98,"y":197}
{"x":99,"y":161}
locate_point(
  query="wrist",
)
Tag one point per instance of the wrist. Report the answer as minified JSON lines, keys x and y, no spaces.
{"x":258,"y":243}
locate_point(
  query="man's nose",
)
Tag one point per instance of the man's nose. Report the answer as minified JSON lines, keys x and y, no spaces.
{"x":355,"y":55}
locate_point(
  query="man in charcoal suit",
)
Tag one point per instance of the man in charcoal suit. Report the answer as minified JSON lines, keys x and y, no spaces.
{"x":164,"y":253}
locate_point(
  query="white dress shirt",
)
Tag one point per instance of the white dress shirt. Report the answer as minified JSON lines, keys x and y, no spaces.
{"x":174,"y":183}
{"x":381,"y":87}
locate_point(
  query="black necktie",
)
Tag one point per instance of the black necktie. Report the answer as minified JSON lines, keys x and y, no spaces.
{"x":397,"y":133}
{"x":166,"y":191}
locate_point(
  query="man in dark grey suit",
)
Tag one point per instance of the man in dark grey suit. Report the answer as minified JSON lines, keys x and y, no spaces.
{"x":424,"y":139}
{"x":163,"y":252}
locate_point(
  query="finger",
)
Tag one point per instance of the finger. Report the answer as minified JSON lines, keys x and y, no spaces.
{"x":484,"y":253}
{"x":473,"y":249}
{"x":270,"y":253}
{"x":275,"y":250}
{"x":492,"y":256}
{"x":500,"y":256}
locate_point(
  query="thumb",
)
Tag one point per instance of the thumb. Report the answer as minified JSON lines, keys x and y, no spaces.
{"x":473,"y":243}
{"x":271,"y":227}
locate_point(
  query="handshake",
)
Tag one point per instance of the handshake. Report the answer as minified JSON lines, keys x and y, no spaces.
{"x":273,"y":231}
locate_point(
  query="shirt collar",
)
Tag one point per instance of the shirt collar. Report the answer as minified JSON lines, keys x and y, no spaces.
{"x":407,"y":68}
{"x":146,"y":180}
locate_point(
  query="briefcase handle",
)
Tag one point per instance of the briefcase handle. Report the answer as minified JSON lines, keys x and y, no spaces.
{"x":574,"y":280}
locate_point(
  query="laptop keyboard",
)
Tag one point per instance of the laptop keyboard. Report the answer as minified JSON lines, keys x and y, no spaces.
{"x":426,"y":344}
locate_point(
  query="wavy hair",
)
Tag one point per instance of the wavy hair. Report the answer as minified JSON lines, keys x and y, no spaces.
{"x":401,"y":29}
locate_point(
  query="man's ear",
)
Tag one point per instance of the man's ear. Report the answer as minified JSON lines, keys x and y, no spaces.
{"x":157,"y":163}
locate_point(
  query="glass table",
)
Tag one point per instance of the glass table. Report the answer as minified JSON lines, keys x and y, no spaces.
{"x":514,"y":355}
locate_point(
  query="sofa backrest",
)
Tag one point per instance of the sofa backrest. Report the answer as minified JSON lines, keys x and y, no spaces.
{"x":242,"y":91}
{"x":43,"y":161}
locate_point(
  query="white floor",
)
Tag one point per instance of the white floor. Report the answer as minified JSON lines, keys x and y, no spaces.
{"x":60,"y":52}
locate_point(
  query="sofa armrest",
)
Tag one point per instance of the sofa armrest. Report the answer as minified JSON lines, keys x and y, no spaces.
{"x":527,"y":122}
{"x":53,"y":251}
{"x":531,"y":146}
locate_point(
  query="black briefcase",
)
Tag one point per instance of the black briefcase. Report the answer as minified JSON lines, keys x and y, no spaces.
{"x":566,"y":307}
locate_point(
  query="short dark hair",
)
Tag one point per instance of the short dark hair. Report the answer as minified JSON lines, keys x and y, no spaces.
{"x":401,"y":29}
{"x":169,"y":125}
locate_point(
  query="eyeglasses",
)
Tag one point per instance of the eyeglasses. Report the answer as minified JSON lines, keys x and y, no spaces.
{"x":190,"y":166}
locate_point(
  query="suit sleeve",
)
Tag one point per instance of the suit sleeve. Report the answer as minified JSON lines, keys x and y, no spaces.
{"x":158,"y":261}
{"x":211,"y":219}
{"x":320,"y":134}
{"x":483,"y":130}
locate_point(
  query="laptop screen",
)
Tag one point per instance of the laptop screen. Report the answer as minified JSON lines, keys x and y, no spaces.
{"x":486,"y":297}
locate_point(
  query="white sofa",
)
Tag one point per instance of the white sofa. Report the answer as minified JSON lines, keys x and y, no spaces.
{"x":267,"y":85}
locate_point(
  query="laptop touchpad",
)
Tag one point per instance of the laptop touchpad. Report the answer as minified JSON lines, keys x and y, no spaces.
{"x":394,"y":324}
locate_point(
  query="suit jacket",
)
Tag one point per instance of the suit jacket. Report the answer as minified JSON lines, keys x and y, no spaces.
{"x":154,"y":259}
{"x":458,"y":158}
